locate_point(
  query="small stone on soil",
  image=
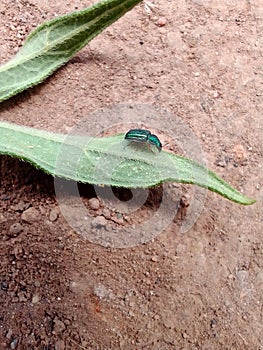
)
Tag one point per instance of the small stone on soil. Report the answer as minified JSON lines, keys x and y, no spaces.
{"x":15,"y":229}
{"x":94,"y":203}
{"x":35,"y":299}
{"x":154,"y":258}
{"x":106,"y":213}
{"x":53,"y":215}
{"x":14,"y":343}
{"x":161,"y":22}
{"x":118,"y":220}
{"x":99,"y":221}
{"x":59,"y":326}
{"x":30,"y":215}
{"x":60,"y":345}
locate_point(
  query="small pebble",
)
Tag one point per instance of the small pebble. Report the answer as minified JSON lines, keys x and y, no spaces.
{"x":60,"y":345}
{"x":30,"y":215}
{"x":53,"y":215}
{"x":213,"y":323}
{"x":239,"y":152}
{"x":59,"y":326}
{"x":94,"y":203}
{"x":35,"y":299}
{"x":221,"y":164}
{"x":154,"y":258}
{"x":99,"y":221}
{"x":161,"y":22}
{"x":15,"y":229}
{"x":118,"y":220}
{"x":14,"y":344}
{"x":106,"y":213}
{"x":215,"y":94}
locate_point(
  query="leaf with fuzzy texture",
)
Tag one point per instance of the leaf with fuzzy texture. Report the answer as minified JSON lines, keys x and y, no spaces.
{"x":53,"y":43}
{"x":107,"y":161}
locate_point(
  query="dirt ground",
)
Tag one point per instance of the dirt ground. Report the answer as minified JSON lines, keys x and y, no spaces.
{"x":202,"y":61}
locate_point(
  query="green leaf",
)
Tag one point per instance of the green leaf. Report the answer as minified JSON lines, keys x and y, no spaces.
{"x":53,"y":43}
{"x":107,"y":161}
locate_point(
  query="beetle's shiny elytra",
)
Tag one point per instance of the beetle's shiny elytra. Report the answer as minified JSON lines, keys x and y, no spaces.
{"x":143,"y":136}
{"x":139,"y":135}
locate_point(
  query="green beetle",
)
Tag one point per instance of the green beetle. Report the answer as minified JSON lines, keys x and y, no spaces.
{"x":143,"y":136}
{"x":153,"y":140}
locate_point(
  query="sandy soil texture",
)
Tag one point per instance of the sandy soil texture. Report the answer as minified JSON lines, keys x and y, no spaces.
{"x":200,"y":60}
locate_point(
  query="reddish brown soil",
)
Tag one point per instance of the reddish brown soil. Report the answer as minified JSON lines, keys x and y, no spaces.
{"x":200,"y":60}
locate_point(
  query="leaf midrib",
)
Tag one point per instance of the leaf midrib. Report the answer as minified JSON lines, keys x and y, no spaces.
{"x":20,"y":59}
